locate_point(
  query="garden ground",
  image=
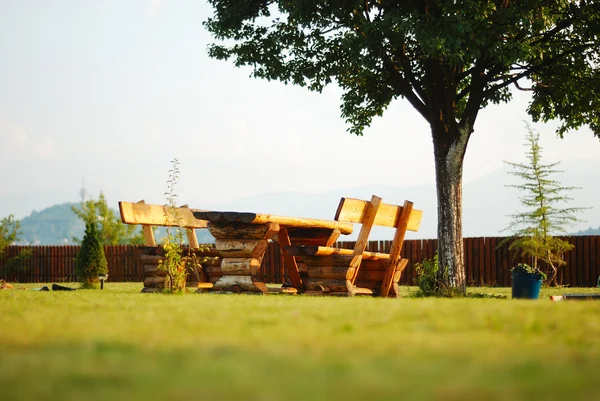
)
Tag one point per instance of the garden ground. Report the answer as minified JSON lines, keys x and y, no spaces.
{"x":119,"y":344}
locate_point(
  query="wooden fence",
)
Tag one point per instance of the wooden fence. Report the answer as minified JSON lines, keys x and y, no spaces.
{"x":486,"y":263}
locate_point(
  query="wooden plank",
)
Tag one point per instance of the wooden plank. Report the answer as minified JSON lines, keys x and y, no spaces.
{"x":506,"y":265}
{"x":415,"y":251}
{"x":595,"y":258}
{"x":580,"y":262}
{"x":586,"y":262}
{"x":158,"y":215}
{"x":354,"y":211}
{"x":397,"y":243}
{"x":289,"y":262}
{"x":312,"y":250}
{"x":573,"y":262}
{"x":480,"y":261}
{"x":488,"y":262}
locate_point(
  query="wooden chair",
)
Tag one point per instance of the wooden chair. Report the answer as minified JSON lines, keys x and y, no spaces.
{"x":339,"y":271}
{"x":148,"y":216}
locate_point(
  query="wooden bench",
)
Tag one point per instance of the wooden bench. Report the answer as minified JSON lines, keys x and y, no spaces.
{"x":149,"y":216}
{"x":337,"y":271}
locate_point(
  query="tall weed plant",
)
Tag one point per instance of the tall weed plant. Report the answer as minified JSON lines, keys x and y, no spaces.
{"x":175,"y":264}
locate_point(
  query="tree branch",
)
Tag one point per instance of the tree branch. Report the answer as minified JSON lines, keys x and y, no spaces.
{"x":402,"y":86}
{"x":536,"y":68}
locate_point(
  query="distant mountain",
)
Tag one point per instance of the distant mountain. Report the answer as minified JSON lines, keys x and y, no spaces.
{"x":589,"y":231}
{"x":487,"y":202}
{"x":57,"y":225}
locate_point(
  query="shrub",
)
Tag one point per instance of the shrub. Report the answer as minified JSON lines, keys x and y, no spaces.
{"x":90,"y":261}
{"x":431,"y":283}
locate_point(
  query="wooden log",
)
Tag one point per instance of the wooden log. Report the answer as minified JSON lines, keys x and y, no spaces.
{"x":256,"y":218}
{"x":153,"y":281}
{"x":240,"y":266}
{"x":332,"y":260}
{"x":240,"y":248}
{"x":242,"y":231}
{"x":328,"y":272}
{"x":325,"y":284}
{"x":213,"y":271}
{"x":243,"y":282}
{"x":353,"y":210}
{"x":153,"y":270}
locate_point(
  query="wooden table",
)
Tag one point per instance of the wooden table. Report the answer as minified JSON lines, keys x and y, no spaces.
{"x":241,"y":238}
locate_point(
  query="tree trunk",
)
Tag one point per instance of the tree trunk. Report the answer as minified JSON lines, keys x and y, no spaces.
{"x":450,"y":144}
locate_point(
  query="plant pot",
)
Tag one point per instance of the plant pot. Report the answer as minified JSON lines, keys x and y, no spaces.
{"x":526,"y":286}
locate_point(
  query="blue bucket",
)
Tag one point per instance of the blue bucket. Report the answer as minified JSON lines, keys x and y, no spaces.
{"x":525,"y":286}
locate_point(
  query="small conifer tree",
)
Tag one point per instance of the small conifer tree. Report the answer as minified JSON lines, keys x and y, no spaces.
{"x":534,"y":228}
{"x":90,"y":260}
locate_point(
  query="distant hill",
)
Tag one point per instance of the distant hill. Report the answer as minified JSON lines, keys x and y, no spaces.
{"x":487,"y":202}
{"x":589,"y":231}
{"x":57,"y":225}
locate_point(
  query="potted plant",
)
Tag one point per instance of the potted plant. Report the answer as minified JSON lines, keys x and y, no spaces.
{"x":526,"y":281}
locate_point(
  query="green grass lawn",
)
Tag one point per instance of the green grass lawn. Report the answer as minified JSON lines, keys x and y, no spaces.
{"x":118,"y":344}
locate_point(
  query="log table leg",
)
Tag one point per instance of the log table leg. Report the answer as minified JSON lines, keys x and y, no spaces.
{"x":242,"y":247}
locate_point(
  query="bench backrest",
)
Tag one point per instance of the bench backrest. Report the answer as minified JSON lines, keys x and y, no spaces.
{"x":353,"y":211}
{"x":148,"y":215}
{"x":374,"y":212}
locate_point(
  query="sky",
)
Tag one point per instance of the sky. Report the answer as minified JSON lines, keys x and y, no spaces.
{"x":104,"y":94}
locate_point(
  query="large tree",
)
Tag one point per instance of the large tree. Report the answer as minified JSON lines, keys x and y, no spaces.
{"x":449,"y":59}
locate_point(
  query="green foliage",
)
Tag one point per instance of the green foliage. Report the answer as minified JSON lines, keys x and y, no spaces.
{"x":111,"y":230}
{"x":175,"y":264}
{"x":10,"y":231}
{"x":431,"y":281}
{"x":534,"y":228}
{"x":90,"y":261}
{"x":427,"y":277}
{"x":447,"y":56}
{"x":523,"y":269}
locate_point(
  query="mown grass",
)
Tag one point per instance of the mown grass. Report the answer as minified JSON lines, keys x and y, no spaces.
{"x":119,"y":344}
